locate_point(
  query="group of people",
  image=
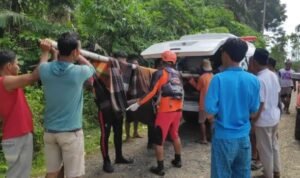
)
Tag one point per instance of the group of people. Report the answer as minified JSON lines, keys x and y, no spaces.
{"x":62,"y":82}
{"x":233,"y":101}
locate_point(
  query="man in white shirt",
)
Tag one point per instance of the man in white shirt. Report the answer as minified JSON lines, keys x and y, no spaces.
{"x":267,"y":119}
{"x":287,"y":85}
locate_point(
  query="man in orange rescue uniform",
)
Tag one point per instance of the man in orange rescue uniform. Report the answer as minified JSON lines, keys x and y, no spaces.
{"x":202,"y":86}
{"x":168,"y":86}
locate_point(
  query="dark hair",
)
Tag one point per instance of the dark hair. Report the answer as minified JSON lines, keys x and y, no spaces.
{"x":272,"y":62}
{"x":6,"y":56}
{"x":133,"y":58}
{"x":120,"y":54}
{"x":235,"y":48}
{"x":67,"y":42}
{"x":261,"y":56}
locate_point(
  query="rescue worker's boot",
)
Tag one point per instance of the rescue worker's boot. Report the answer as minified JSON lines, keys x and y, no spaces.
{"x":159,"y":170}
{"x":122,"y":160}
{"x":119,"y":155}
{"x":177,"y":161}
{"x":107,"y":167}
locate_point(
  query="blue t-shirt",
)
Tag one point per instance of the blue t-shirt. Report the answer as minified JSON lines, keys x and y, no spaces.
{"x":63,"y":90}
{"x":232,"y":97}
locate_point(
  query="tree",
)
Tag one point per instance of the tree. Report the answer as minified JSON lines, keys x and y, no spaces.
{"x":278,"y":52}
{"x":297,"y":29}
{"x":295,"y":43}
{"x":250,"y":12}
{"x":115,"y":25}
{"x":8,"y":19}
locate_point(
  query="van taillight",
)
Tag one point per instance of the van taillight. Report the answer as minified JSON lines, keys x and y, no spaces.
{"x":248,"y":38}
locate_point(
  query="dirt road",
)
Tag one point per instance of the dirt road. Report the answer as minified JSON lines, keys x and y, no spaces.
{"x":196,"y":157}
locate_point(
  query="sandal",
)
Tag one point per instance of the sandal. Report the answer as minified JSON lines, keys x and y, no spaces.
{"x":255,"y":165}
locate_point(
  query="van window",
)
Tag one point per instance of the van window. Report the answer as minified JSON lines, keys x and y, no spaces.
{"x":190,"y":64}
{"x":244,"y":63}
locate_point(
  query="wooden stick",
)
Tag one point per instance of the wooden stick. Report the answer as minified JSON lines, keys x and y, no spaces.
{"x":93,"y":56}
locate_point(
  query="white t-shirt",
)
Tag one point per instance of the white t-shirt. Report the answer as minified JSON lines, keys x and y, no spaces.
{"x":269,"y":93}
{"x":285,"y":77}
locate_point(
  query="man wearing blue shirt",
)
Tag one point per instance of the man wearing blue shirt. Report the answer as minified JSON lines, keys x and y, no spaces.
{"x":63,"y":88}
{"x":232,"y":98}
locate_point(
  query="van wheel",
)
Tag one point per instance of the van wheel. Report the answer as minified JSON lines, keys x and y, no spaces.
{"x":190,"y":117}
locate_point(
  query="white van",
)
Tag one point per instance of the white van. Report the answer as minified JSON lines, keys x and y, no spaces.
{"x":191,"y":50}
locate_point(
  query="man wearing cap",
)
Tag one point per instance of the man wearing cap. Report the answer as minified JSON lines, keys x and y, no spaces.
{"x":169,"y":109}
{"x":287,"y":85}
{"x":267,"y":119}
{"x":202,"y":86}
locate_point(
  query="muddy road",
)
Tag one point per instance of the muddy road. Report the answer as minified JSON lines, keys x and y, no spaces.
{"x":196,"y":157}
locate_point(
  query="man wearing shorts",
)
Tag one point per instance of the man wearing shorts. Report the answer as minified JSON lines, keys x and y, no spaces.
{"x":15,"y":114}
{"x":169,"y":110}
{"x":63,"y":88}
{"x":202,"y":86}
{"x":287,"y":85}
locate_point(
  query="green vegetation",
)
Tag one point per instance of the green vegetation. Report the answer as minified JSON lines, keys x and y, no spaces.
{"x":130,"y":25}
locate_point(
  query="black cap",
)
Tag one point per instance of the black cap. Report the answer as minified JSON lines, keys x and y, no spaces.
{"x":261,"y":56}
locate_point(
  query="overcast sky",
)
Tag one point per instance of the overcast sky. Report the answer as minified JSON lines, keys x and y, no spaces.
{"x":293,"y":15}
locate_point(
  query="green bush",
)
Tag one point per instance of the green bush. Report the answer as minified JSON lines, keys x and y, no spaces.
{"x":36,"y":102}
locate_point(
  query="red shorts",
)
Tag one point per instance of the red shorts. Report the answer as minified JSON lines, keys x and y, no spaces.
{"x":168,"y":122}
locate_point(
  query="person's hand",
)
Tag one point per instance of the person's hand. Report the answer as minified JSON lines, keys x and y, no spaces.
{"x":45,"y":46}
{"x":252,"y":127}
{"x":134,"y":66}
{"x":83,"y":61}
{"x":80,"y":59}
{"x":133,"y":107}
{"x":254,"y":118}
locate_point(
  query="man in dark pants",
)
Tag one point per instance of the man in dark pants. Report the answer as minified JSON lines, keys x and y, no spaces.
{"x":109,"y":118}
{"x":130,"y":118}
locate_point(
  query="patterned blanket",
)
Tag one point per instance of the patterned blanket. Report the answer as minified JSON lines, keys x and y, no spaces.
{"x":122,"y":79}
